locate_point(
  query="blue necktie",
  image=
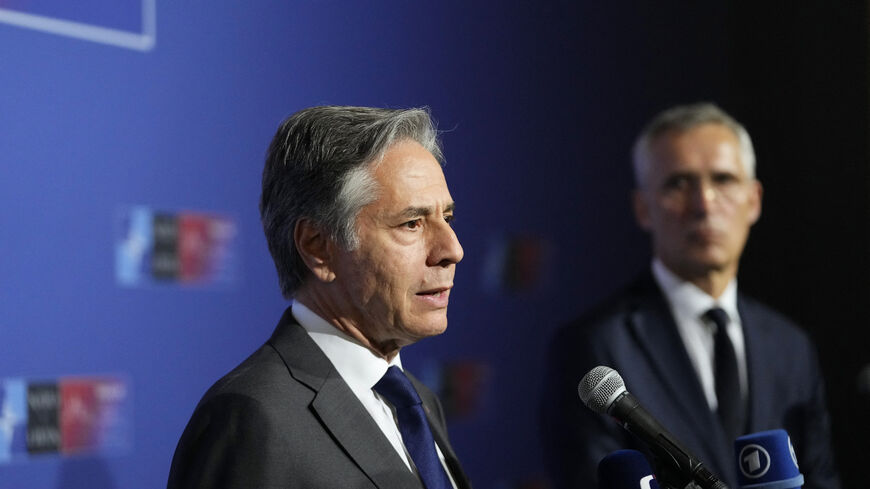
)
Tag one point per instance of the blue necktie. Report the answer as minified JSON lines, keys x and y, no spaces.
{"x":416,"y":433}
{"x":731,"y":410}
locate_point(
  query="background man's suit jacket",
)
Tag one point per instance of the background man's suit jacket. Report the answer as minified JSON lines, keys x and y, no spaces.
{"x":635,"y":334}
{"x":284,"y":418}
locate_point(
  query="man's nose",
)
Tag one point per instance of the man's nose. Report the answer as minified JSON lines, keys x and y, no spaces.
{"x":445,"y":249}
{"x":702,"y":197}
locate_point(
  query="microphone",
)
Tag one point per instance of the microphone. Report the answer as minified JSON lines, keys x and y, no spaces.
{"x":766,"y":460}
{"x":625,"y":469}
{"x":603,"y":391}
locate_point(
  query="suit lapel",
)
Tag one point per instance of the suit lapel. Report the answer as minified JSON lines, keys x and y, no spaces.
{"x":656,"y":333}
{"x":355,"y":430}
{"x":439,"y":433}
{"x":341,"y":413}
{"x":757,"y":343}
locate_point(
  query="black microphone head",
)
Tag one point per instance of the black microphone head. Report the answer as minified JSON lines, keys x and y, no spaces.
{"x":600,"y":387}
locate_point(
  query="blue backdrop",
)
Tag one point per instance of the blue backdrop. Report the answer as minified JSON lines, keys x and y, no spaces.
{"x":167,"y":108}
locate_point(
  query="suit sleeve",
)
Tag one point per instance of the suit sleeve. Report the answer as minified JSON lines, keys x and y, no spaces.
{"x":223,"y":447}
{"x":575,"y":438}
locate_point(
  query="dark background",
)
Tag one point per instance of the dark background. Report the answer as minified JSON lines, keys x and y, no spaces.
{"x":541,"y":102}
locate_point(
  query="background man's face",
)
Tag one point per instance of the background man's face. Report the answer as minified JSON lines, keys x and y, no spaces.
{"x":397,"y":282}
{"x":697,"y":200}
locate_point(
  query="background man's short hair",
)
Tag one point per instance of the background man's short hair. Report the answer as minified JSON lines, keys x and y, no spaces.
{"x":683,"y":118}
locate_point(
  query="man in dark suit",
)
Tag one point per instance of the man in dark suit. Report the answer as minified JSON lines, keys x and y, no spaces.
{"x":357,"y":216}
{"x":710,"y":363}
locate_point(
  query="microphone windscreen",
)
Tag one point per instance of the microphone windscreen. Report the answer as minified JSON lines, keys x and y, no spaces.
{"x":625,"y":469}
{"x":600,"y":387}
{"x":766,"y":460}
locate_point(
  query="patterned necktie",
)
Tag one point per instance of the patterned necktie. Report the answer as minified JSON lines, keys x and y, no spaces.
{"x":414,"y":427}
{"x":727,"y":376}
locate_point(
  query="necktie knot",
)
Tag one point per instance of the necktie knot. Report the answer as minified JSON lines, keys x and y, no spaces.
{"x":395,"y":387}
{"x":719,"y":317}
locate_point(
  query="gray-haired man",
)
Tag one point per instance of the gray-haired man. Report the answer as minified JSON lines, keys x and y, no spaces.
{"x":357,"y":216}
{"x":709,"y":362}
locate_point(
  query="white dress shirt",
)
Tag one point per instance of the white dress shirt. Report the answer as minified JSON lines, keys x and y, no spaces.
{"x":361,"y":369}
{"x":688,"y":305}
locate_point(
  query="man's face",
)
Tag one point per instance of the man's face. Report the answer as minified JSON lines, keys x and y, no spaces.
{"x":396,"y":283}
{"x":697,"y":200}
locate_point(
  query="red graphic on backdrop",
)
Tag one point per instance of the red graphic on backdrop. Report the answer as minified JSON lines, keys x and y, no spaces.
{"x":78,"y":415}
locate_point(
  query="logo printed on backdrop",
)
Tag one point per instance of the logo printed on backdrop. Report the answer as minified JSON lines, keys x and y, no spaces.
{"x":462,"y":385}
{"x":754,"y":461}
{"x":71,"y":415}
{"x":13,"y":419}
{"x":130,"y":24}
{"x":516,"y":264}
{"x":43,"y":427}
{"x":186,"y":248}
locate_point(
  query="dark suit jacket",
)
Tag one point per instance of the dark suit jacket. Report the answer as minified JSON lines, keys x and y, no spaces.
{"x":284,"y":418}
{"x":635,"y":334}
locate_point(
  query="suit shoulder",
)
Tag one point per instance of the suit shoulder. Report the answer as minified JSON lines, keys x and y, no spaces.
{"x":759,"y":315}
{"x":260,"y":376}
{"x":612,"y":311}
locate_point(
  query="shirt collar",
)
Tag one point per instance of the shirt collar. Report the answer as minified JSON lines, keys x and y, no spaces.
{"x":690,"y":301}
{"x":356,"y":364}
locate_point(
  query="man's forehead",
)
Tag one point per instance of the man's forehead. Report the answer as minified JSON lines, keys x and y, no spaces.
{"x":413,"y":195}
{"x":708,"y":133}
{"x":415,"y":179}
{"x":688,"y":148}
{"x":710,"y":126}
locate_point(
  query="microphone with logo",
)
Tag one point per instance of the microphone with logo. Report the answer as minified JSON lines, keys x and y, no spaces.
{"x":625,"y":469}
{"x":603,"y":391}
{"x":766,"y":460}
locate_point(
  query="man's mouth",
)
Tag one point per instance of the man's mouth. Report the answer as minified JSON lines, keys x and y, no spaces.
{"x":705,"y":234}
{"x":435,"y":292}
{"x":437,"y":297}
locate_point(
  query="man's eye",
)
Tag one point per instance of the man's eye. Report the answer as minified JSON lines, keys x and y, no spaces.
{"x":416,"y":223}
{"x":677,"y":183}
{"x":724,"y":178}
{"x":448,"y":218}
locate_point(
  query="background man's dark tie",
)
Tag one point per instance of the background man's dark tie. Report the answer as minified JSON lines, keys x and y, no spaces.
{"x":731,"y":407}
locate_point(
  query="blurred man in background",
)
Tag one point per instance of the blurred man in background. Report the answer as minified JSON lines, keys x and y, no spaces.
{"x":357,"y":216}
{"x":710,"y":363}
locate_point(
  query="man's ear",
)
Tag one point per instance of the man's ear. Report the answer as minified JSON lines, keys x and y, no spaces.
{"x":641,"y":209}
{"x":315,"y":248}
{"x":755,"y":193}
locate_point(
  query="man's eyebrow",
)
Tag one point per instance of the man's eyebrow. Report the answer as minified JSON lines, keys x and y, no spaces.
{"x":413,"y":212}
{"x":681,"y":174}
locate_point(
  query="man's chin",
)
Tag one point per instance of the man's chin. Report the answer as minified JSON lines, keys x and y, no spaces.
{"x":694,"y":263}
{"x":429,"y":329}
{"x":705,"y":265}
{"x":707,"y":255}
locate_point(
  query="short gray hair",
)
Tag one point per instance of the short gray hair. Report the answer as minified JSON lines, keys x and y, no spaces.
{"x":683,"y":118}
{"x":319,"y":167}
